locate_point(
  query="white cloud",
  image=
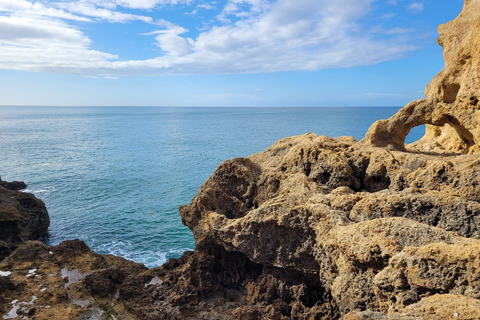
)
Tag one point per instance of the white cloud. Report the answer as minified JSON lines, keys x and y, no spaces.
{"x":208,"y":6}
{"x":103,"y":13}
{"x":46,"y":45}
{"x":169,"y":40}
{"x":416,"y":7}
{"x":393,"y":31}
{"x":257,"y":36}
{"x":149,"y":4}
{"x":204,"y":6}
{"x":388,"y":16}
{"x":131,"y":4}
{"x":34,"y":9}
{"x":243,"y":9}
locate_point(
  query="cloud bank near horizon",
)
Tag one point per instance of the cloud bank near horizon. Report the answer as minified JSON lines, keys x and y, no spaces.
{"x":243,"y":36}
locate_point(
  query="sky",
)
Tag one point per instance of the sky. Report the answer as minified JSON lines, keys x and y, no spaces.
{"x":219,"y":52}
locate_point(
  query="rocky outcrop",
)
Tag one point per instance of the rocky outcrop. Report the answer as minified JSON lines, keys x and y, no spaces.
{"x":379,"y":230}
{"x":14,"y":185}
{"x":68,"y":281}
{"x":22,"y":217}
{"x":451,"y":110}
{"x":312,"y":228}
{"x":382,"y":229}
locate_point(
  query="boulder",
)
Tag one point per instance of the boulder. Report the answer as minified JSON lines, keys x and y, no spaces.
{"x":22,"y":217}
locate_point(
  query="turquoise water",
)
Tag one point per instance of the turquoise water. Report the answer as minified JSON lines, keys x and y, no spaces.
{"x":114,"y":177}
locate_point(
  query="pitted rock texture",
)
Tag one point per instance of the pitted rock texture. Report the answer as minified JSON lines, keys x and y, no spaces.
{"x":380,"y":230}
{"x":68,"y":281}
{"x":22,"y":217}
{"x":451,"y":110}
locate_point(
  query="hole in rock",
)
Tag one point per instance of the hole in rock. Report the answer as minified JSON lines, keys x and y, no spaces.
{"x":450,"y":92}
{"x":415,"y":134}
{"x":451,"y":138}
{"x":473,"y":101}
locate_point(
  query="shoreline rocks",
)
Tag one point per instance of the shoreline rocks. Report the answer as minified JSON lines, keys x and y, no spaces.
{"x":22,"y":217}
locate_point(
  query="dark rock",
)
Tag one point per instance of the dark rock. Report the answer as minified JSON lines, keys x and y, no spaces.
{"x":22,"y":217}
{"x":14,"y":185}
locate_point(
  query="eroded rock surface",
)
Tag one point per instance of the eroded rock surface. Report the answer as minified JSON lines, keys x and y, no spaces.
{"x":22,"y":217}
{"x":68,"y":281}
{"x":380,"y":230}
{"x":387,"y":230}
{"x":451,"y":110}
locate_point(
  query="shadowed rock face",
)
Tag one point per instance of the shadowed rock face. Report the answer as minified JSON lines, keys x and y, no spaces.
{"x":22,"y":217}
{"x":379,"y":230}
{"x":311,"y":228}
{"x":451,"y":110}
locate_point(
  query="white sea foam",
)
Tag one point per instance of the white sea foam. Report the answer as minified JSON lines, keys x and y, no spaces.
{"x":150,"y":258}
{"x":41,"y":191}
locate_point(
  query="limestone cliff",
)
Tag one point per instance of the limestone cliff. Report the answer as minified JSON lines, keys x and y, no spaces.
{"x":312,"y":228}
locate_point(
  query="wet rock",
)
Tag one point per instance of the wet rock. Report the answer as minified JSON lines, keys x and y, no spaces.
{"x":68,"y":281}
{"x":14,"y":185}
{"x":22,"y":217}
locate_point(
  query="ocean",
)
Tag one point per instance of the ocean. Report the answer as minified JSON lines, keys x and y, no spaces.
{"x":114,"y":177}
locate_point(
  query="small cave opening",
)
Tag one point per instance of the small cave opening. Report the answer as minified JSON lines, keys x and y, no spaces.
{"x":450,"y":138}
{"x":450,"y":92}
{"x":415,"y":134}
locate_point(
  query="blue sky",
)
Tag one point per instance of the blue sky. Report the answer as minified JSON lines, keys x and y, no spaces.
{"x":219,"y":52}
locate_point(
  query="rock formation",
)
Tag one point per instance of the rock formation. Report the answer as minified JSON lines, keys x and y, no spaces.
{"x":40,"y":282}
{"x":22,"y":217}
{"x":451,"y":110}
{"x":312,"y":228}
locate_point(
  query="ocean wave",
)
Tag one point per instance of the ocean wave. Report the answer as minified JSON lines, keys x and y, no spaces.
{"x":150,"y":258}
{"x":43,"y":191}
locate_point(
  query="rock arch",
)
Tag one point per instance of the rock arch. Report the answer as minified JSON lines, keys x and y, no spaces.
{"x":446,"y":132}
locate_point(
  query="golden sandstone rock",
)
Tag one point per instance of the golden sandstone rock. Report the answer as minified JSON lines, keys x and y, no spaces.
{"x":451,"y":110}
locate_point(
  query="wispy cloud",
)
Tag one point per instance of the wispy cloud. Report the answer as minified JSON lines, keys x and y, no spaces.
{"x":103,"y":13}
{"x":254,"y":36}
{"x":136,"y":4}
{"x":243,"y":9}
{"x":392,"y":2}
{"x":416,"y":7}
{"x":388,"y":16}
{"x":170,"y":41}
{"x":23,"y":8}
{"x":393,"y":31}
{"x":212,"y":5}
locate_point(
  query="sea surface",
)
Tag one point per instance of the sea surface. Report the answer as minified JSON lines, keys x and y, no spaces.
{"x":114,"y":177}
